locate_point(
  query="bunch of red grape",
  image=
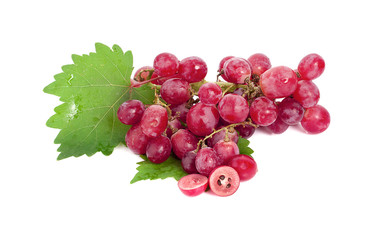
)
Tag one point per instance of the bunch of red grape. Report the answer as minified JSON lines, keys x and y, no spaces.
{"x":201,"y":121}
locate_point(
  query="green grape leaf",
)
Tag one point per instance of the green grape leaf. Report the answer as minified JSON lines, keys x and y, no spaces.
{"x":170,"y":168}
{"x":243,"y":145}
{"x":92,"y":89}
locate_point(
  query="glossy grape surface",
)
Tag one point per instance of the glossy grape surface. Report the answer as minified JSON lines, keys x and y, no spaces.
{"x":260,"y":63}
{"x":237,"y":70}
{"x":188,"y":162}
{"x":290,"y":111}
{"x":136,"y":140}
{"x":206,"y":160}
{"x":233,"y":108}
{"x":210,"y":93}
{"x":130,"y":112}
{"x":158,"y":149}
{"x":192,"y":69}
{"x":154,"y":121}
{"x":311,"y":66}
{"x":226,"y":150}
{"x":263,"y":111}
{"x":202,"y":119}
{"x":316,"y":119}
{"x":245,"y":166}
{"x":182,"y":142}
{"x":307,"y":93}
{"x":165,"y":64}
{"x":278,"y":126}
{"x":278,"y":82}
{"x":175,"y":91}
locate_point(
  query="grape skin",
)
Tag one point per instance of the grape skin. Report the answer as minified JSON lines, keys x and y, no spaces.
{"x":206,"y":160}
{"x":237,"y":70}
{"x":316,"y":119}
{"x":263,"y":111}
{"x":290,"y":111}
{"x":306,"y":93}
{"x":278,"y":82}
{"x":136,"y":140}
{"x":202,"y":119}
{"x":210,"y":93}
{"x":166,"y":64}
{"x":158,"y":149}
{"x":233,"y":108}
{"x":226,"y":150}
{"x":130,"y":112}
{"x":192,"y":69}
{"x":311,"y":66}
{"x":175,"y":91}
{"x":182,"y":142}
{"x":260,"y":63}
{"x":154,"y":121}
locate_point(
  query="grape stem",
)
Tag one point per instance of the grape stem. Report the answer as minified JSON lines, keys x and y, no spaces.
{"x":201,"y":142}
{"x":159,"y":102}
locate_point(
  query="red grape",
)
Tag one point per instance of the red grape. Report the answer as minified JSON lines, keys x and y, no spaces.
{"x":290,"y":111}
{"x":202,"y":119}
{"x":237,"y":70}
{"x":316,"y":119}
{"x":263,"y":111}
{"x":188,"y":162}
{"x":136,"y":140}
{"x":245,"y":131}
{"x":192,"y":69}
{"x":175,"y":91}
{"x":206,"y":160}
{"x":154,"y":120}
{"x":307,"y":93}
{"x":233,"y":108}
{"x":245,"y":166}
{"x":226,"y":150}
{"x":278,"y":126}
{"x":221,"y":66}
{"x":130,"y":112}
{"x":210,"y":93}
{"x":158,"y":149}
{"x":260,"y":63}
{"x":165,"y":64}
{"x":311,"y":66}
{"x":232,"y":135}
{"x":173,"y":126}
{"x":182,"y":142}
{"x":278,"y":82}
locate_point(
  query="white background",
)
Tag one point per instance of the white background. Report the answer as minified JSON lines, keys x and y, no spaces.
{"x":308,"y":186}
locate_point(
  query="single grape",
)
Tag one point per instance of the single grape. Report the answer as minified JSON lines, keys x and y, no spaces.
{"x":206,"y":160}
{"x":210,"y":93}
{"x":158,"y":149}
{"x":263,"y":111}
{"x":307,"y":93}
{"x":245,"y":131}
{"x":221,"y":66}
{"x":188,"y":162}
{"x":183,"y":141}
{"x":245,"y":166}
{"x":278,"y":126}
{"x":232,"y":136}
{"x":237,"y":70}
{"x":154,"y":120}
{"x":290,"y":111}
{"x":202,"y":119}
{"x":278,"y":82}
{"x":165,"y":64}
{"x":175,"y":91}
{"x":136,"y":140}
{"x":233,"y":108}
{"x":192,"y":69}
{"x":180,"y":111}
{"x":173,"y":126}
{"x":260,"y":63}
{"x":144,"y":75}
{"x":130,"y":112}
{"x":226,"y":150}
{"x":311,"y":66}
{"x":316,"y":119}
